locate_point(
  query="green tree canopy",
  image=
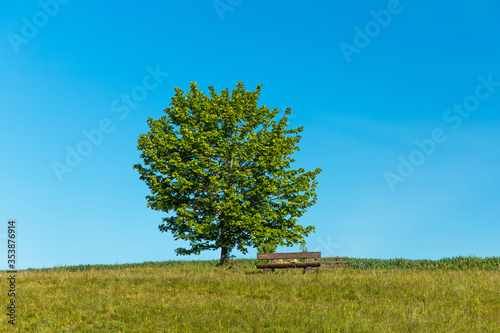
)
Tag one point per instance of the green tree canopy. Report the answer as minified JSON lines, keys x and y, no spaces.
{"x":220,"y":165}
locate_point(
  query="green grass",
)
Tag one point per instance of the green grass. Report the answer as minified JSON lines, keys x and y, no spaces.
{"x":450,"y":295}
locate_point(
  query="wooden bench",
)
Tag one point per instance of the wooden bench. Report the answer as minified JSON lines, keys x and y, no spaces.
{"x":333,"y":262}
{"x":308,"y":266}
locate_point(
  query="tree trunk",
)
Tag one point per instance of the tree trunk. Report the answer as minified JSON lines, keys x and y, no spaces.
{"x":223,"y":252}
{"x":223,"y":256}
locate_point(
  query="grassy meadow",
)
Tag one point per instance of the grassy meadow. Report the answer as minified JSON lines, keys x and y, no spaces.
{"x":451,"y":295}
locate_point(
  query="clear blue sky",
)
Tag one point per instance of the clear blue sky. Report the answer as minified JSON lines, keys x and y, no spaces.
{"x":400,"y":103}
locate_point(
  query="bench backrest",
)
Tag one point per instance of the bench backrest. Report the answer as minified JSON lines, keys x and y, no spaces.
{"x":292,"y":255}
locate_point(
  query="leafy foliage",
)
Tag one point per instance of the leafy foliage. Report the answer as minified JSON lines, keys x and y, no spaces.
{"x":220,"y":164}
{"x":266,"y":248}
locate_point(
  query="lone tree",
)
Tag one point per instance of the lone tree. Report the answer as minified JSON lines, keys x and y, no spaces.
{"x":220,"y":166}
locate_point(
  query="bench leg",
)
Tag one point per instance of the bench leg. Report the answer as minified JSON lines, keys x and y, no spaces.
{"x":309,"y":269}
{"x":267,"y":271}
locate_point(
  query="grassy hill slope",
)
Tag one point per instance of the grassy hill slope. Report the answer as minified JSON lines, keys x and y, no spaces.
{"x":462,"y":296}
